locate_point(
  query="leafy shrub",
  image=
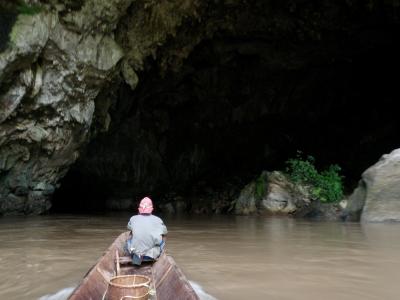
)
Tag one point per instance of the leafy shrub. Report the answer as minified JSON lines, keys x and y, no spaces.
{"x":326,"y":186}
{"x":26,"y":9}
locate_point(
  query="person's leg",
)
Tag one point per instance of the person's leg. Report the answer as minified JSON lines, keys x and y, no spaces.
{"x":148,"y":258}
{"x":127,"y":247}
{"x":137,"y":260}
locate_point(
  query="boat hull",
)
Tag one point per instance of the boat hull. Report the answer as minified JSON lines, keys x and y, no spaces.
{"x":167,"y":280}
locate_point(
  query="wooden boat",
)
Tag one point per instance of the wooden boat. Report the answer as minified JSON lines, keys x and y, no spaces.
{"x":167,"y":280}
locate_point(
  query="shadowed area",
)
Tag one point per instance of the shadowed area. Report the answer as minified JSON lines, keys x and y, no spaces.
{"x":234,"y":109}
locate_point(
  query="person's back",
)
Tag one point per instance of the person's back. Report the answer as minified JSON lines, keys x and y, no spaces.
{"x":148,"y":232}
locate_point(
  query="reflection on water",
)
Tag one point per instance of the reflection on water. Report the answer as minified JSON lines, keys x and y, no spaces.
{"x":229,"y":257}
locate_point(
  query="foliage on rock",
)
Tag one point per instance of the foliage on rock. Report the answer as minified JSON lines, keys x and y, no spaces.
{"x":325,"y":186}
{"x":27,"y":9}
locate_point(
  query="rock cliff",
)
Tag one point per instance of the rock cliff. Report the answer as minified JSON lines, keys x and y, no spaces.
{"x":51,"y":72}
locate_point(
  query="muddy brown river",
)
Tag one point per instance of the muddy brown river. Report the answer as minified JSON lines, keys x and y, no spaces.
{"x":224,"y":257}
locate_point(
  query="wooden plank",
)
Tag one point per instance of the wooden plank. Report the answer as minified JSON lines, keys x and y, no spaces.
{"x":125,"y":260}
{"x":117,"y":263}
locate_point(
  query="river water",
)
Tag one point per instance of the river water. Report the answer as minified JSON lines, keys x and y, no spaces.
{"x":226,"y":257}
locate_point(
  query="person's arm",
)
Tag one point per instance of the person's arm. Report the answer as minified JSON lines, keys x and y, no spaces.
{"x":130,"y":225}
{"x":163,"y":228}
{"x":164,"y":231}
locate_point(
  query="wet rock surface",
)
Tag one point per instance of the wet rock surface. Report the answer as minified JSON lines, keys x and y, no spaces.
{"x":377,"y":197}
{"x":273,"y":193}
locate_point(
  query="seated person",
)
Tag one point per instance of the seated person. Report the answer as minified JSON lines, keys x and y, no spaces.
{"x":147,"y":239}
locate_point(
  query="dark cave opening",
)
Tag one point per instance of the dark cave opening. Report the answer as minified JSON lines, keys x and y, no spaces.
{"x":235,"y":108}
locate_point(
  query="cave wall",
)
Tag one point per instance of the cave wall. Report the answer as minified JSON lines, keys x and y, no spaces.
{"x":51,"y":72}
{"x":55,"y":62}
{"x":69,"y":72}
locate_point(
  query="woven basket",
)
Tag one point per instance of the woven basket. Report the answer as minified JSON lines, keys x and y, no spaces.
{"x":126,"y":287}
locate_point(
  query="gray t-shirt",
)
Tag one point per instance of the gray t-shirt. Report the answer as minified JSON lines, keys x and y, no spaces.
{"x":147,"y":231}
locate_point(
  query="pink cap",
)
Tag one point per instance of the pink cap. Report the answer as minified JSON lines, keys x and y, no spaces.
{"x":146,"y":206}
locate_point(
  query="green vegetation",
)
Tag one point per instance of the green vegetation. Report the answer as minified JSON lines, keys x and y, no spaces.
{"x":26,"y":9}
{"x":9,"y":12}
{"x":326,"y":186}
{"x":19,"y":7}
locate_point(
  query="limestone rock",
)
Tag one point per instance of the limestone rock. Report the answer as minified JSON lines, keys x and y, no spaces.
{"x":52,"y":69}
{"x":50,"y":77}
{"x":280,"y":198}
{"x":247,"y":202}
{"x":129,"y":75}
{"x":178,"y":206}
{"x":10,"y":101}
{"x":272,"y":193}
{"x":377,"y":197}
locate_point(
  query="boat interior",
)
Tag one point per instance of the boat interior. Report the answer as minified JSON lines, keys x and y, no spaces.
{"x":167,"y":280}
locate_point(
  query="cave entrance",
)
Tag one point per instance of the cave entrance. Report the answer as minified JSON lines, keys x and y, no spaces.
{"x":237,"y":107}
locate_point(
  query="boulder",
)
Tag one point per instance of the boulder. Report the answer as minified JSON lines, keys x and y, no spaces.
{"x":272,"y":193}
{"x":175,"y":207}
{"x":377,"y":197}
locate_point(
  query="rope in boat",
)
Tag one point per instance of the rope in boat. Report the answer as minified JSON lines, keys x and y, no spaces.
{"x":106,"y":280}
{"x":164,"y":276}
{"x":154,"y":287}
